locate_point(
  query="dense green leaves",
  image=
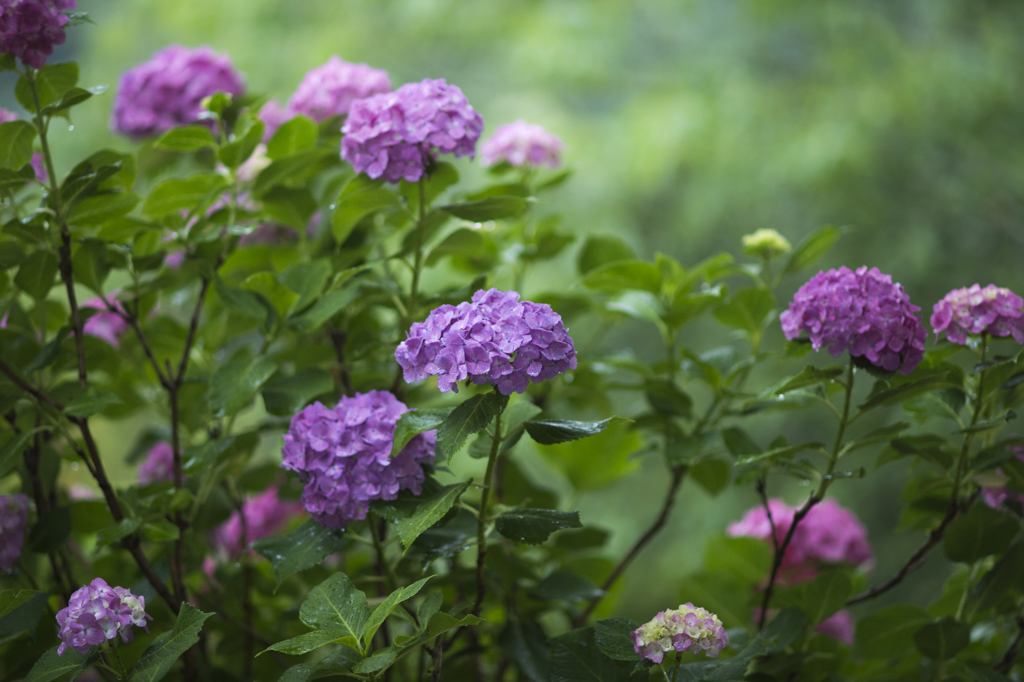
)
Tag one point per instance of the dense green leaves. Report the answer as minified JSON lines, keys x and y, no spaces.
{"x":889,"y":632}
{"x":157,"y":660}
{"x":16,"y":144}
{"x":360,"y":197}
{"x":413,"y":515}
{"x":305,"y":547}
{"x":234,"y":383}
{"x":980,"y":532}
{"x":942,"y":639}
{"x":50,"y":666}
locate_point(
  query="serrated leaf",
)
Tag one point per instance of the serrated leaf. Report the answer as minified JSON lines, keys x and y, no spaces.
{"x":613,"y":638}
{"x":943,"y":639}
{"x":389,"y":604}
{"x":336,"y":604}
{"x":305,"y":547}
{"x":50,"y":666}
{"x":472,"y":416}
{"x":808,"y":377}
{"x":904,"y":391}
{"x":305,"y":642}
{"x":979,"y":533}
{"x":552,"y":431}
{"x":12,"y":599}
{"x":16,"y":139}
{"x":177,"y":195}
{"x":234,"y":383}
{"x":52,"y":81}
{"x":413,"y":515}
{"x":889,"y":632}
{"x":534,"y":526}
{"x":575,"y":657}
{"x":161,"y":654}
{"x":412,"y":424}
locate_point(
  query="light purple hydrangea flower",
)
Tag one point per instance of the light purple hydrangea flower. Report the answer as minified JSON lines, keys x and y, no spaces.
{"x":330,"y":89}
{"x":168,"y":90}
{"x":38,"y":163}
{"x":159,"y":464}
{"x":862,"y":311}
{"x":521,"y":143}
{"x":688,"y":628}
{"x":264,"y":514}
{"x":30,"y":28}
{"x":829,"y":534}
{"x":976,"y":310}
{"x":13,"y":524}
{"x":104,"y":324}
{"x":98,"y":612}
{"x":393,"y":135}
{"x":495,"y":339}
{"x":274,"y":115}
{"x":343,"y":456}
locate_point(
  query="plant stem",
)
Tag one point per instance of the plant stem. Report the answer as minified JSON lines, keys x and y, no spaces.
{"x":418,"y":262}
{"x":481,"y":525}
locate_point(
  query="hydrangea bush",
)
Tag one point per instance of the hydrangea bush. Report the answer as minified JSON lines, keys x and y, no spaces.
{"x":294,"y":388}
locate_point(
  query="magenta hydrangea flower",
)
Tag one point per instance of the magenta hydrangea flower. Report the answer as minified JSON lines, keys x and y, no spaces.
{"x":30,"y":28}
{"x":976,"y":310}
{"x":520,"y":143}
{"x":494,"y":339}
{"x":105,"y":324}
{"x":168,"y":90}
{"x":343,"y":456}
{"x":98,"y":612}
{"x":264,"y":514}
{"x":393,"y":135}
{"x":688,"y":628}
{"x":996,"y":494}
{"x":13,"y":524}
{"x":829,"y":534}
{"x":329,"y":90}
{"x":159,"y":464}
{"x":38,"y":162}
{"x":839,"y":625}
{"x":862,"y":311}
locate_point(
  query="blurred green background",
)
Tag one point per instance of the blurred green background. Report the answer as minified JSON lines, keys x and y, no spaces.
{"x":689,"y":123}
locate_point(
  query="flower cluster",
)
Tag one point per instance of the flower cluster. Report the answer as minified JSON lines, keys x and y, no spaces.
{"x":829,"y":534}
{"x":105,"y":324}
{"x":862,"y":311}
{"x":520,"y":143}
{"x":393,"y":135}
{"x":13,"y":524}
{"x":840,"y":625}
{"x":976,"y":310}
{"x":995,"y":493}
{"x":30,"y":28}
{"x":159,"y":464}
{"x":765,"y":242}
{"x":38,"y":164}
{"x":98,"y":612}
{"x":494,"y":339}
{"x":264,"y":515}
{"x":329,"y":90}
{"x":168,"y":90}
{"x":343,"y":456}
{"x":688,"y":628}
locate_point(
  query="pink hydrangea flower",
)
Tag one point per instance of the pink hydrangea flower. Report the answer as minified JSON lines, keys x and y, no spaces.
{"x":13,"y":524}
{"x":688,"y":628}
{"x":998,"y":496}
{"x":98,"y":612}
{"x":839,"y":625}
{"x":520,"y":143}
{"x":976,"y":310}
{"x":264,"y":514}
{"x":105,"y":324}
{"x":30,"y":28}
{"x":862,"y":311}
{"x":273,"y":115}
{"x":330,"y":89}
{"x":159,"y":464}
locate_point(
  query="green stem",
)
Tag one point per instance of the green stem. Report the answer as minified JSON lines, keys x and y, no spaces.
{"x":418,"y":263}
{"x":117,"y":657}
{"x":481,"y":525}
{"x":965,"y":450}
{"x":389,"y":572}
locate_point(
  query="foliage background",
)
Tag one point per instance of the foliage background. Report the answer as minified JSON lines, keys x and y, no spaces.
{"x":689,"y":123}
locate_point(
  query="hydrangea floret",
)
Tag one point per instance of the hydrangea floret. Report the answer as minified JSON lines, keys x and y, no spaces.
{"x":38,"y":163}
{"x":30,"y":28}
{"x":330,"y":89}
{"x":13,"y":524}
{"x":168,"y":90}
{"x":343,"y":456}
{"x":862,"y":311}
{"x":765,"y":242}
{"x":688,"y":628}
{"x":994,"y":490}
{"x":395,"y":135}
{"x":979,"y":310}
{"x":493,"y":339}
{"x":159,"y":464}
{"x":519,"y":143}
{"x":104,"y":324}
{"x":98,"y":612}
{"x":264,"y":514}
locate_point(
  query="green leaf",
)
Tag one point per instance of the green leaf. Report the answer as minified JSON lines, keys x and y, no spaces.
{"x":1006,"y":574}
{"x":739,"y":443}
{"x":552,"y":431}
{"x":16,"y":139}
{"x":826,"y":594}
{"x":295,"y":135}
{"x":36,"y":274}
{"x":161,"y":654}
{"x":665,"y":397}
{"x":712,"y":474}
{"x":50,"y":531}
{"x":267,"y":285}
{"x":50,"y":666}
{"x":889,"y":632}
{"x":600,"y":250}
{"x":235,"y":153}
{"x":534,"y":526}
{"x":327,"y":307}
{"x":291,"y":206}
{"x":491,"y":208}
{"x":307,"y":280}
{"x":338,"y":662}
{"x":614,"y":640}
{"x":413,"y":515}
{"x":575,"y":657}
{"x":879,"y":435}
{"x":389,"y":604}
{"x":199,"y":457}
{"x":381,"y":659}
{"x":234,"y":383}
{"x":747,"y":310}
{"x":525,"y":643}
{"x":121,"y":529}
{"x":98,"y":209}
{"x":244,"y":302}
{"x":359,"y":198}
{"x":811,"y":249}
{"x":623,"y":275}
{"x":943,"y":639}
{"x":10,"y":454}
{"x":177,"y":195}
{"x":92,"y":402}
{"x":295,"y":166}
{"x":472,"y":416}
{"x":52,"y":81}
{"x":775,"y":454}
{"x":187,"y":139}
{"x":284,"y":397}
{"x":461,"y":242}
{"x":979,"y":533}
{"x":73,"y":97}
{"x":567,"y":587}
{"x":336,"y":604}
{"x":305,"y":547}
{"x":904,"y":391}
{"x":742,"y":560}
{"x":11,"y":180}
{"x":90,"y":264}
{"x":808,"y":377}
{"x":305,"y":642}
{"x":160,"y":531}
{"x":12,"y":599}
{"x":412,"y":424}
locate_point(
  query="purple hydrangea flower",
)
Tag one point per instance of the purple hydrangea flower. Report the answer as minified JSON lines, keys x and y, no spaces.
{"x":688,"y":628}
{"x":168,"y":90}
{"x":393,"y":135}
{"x":520,"y":143}
{"x":13,"y":524}
{"x":264,"y":514}
{"x":159,"y":464}
{"x":839,"y":625}
{"x":329,"y":90}
{"x":343,"y":456}
{"x":273,"y":115}
{"x":495,"y":339}
{"x":98,"y":612}
{"x":994,"y":490}
{"x":30,"y":28}
{"x":976,"y":310}
{"x":828,"y":534}
{"x":863,"y":312}
{"x":38,"y":163}
{"x":105,"y":324}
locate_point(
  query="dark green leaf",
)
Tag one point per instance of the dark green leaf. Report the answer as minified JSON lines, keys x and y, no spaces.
{"x":413,"y":423}
{"x":305,"y":642}
{"x":739,"y":443}
{"x":119,"y":530}
{"x":290,"y":206}
{"x":575,"y":657}
{"x":35,"y":276}
{"x":879,"y":435}
{"x":613,"y":638}
{"x":889,"y":632}
{"x":472,"y":416}
{"x":979,"y":533}
{"x":359,"y":198}
{"x":177,"y":195}
{"x":666,"y":397}
{"x":50,"y":666}
{"x":461,"y":242}
{"x":52,"y":81}
{"x":413,"y":515}
{"x":199,"y":457}
{"x":295,"y":135}
{"x":747,"y":310}
{"x":943,"y":639}
{"x":234,"y":383}
{"x":384,"y":609}
{"x":235,"y":153}
{"x":565,"y":586}
{"x":98,"y":209}
{"x":808,"y":377}
{"x":12,"y":599}
{"x":1007,"y":574}
{"x":826,"y":594}
{"x":50,"y":531}
{"x":534,"y":526}
{"x":244,"y":302}
{"x":284,"y":397}
{"x":307,"y":280}
{"x":600,"y":250}
{"x":305,"y":547}
{"x":491,"y":208}
{"x":552,"y":431}
{"x":812,"y":248}
{"x":16,"y":139}
{"x":711,"y":474}
{"x":623,"y":275}
{"x":10,"y":454}
{"x":525,"y":644}
{"x":187,"y":139}
{"x":381,"y":659}
{"x":336,"y":604}
{"x":161,"y":654}
{"x":324,"y":309}
{"x":92,"y":402}
{"x":288,"y":168}
{"x":904,"y":391}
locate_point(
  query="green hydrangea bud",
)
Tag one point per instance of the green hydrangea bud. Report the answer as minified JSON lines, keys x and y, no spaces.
{"x":766,"y":243}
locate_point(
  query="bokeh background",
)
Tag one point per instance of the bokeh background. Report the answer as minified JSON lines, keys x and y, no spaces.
{"x":689,"y":123}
